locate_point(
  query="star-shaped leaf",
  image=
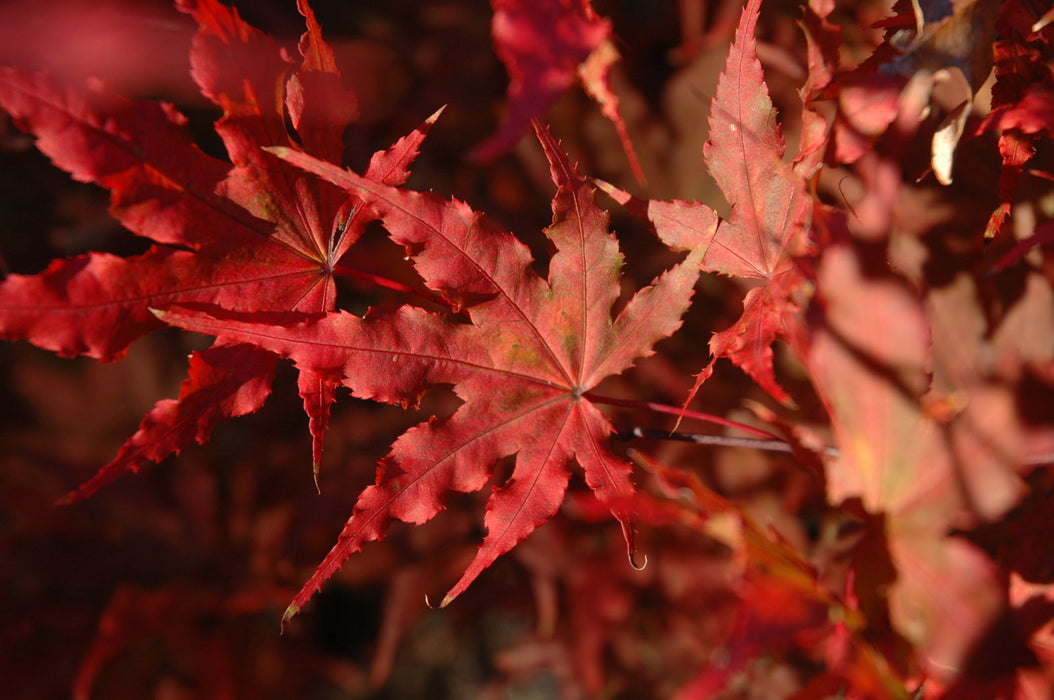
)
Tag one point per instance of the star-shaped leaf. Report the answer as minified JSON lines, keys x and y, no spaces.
{"x":523,"y":364}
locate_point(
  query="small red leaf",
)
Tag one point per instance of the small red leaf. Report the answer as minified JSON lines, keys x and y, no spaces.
{"x":222,"y":382}
{"x":547,"y":46}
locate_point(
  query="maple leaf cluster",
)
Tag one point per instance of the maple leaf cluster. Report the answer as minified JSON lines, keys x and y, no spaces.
{"x":897,"y":325}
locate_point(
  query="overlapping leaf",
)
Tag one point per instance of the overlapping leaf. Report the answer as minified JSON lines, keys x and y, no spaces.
{"x":262,"y":235}
{"x":523,"y":365}
{"x":926,"y":477}
{"x":771,"y":211}
{"x":547,"y":46}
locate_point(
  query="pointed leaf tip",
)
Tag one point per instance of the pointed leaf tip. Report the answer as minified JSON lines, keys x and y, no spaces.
{"x":633,"y":562}
{"x":292,"y":611}
{"x":67,"y":500}
{"x":630,"y":536}
{"x":280,"y":151}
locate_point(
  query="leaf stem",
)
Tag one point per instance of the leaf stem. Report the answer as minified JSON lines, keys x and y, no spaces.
{"x":681,"y":413}
{"x":628,"y":432}
{"x":635,"y":432}
{"x":345,"y":271}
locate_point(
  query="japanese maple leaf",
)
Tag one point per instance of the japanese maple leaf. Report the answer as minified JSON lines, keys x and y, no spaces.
{"x":256,"y":236}
{"x":771,"y":212}
{"x":824,"y":41}
{"x":523,"y":364}
{"x":547,"y":46}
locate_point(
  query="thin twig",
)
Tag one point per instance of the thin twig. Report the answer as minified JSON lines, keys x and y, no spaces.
{"x":768,"y":445}
{"x":635,"y":432}
{"x":680,"y":412}
{"x":345,"y":271}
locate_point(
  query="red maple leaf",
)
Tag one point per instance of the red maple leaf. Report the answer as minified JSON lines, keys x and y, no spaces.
{"x":547,"y":46}
{"x":771,"y":211}
{"x":523,"y":365}
{"x":258,"y":236}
